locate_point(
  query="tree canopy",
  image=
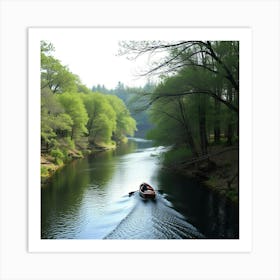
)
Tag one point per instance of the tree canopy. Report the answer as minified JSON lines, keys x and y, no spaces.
{"x":197,"y":97}
{"x":75,"y":119}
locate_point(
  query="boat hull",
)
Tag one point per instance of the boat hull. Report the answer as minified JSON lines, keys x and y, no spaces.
{"x":148,"y":193}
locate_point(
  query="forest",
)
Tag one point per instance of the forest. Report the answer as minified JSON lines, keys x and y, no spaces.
{"x":194,"y":107}
{"x":198,"y":93}
{"x":75,"y":120}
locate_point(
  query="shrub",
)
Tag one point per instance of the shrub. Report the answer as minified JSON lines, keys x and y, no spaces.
{"x":44,"y":171}
{"x":176,"y":155}
{"x":58,"y":156}
{"x":70,"y":143}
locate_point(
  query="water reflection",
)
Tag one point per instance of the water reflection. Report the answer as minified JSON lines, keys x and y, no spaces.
{"x":89,"y":199}
{"x":215,"y":216}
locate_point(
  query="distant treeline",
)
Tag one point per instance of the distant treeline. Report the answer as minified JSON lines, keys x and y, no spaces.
{"x":134,"y":99}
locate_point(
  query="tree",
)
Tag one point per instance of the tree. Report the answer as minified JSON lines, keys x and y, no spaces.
{"x":132,"y":99}
{"x":74,"y":107}
{"x":125,"y":124}
{"x":203,"y":76}
{"x":54,"y":75}
{"x":55,"y":123}
{"x":102,"y":118}
{"x":219,"y":58}
{"x":172,"y":115}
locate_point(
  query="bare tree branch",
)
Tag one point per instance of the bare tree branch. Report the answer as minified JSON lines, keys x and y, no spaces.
{"x":208,"y":92}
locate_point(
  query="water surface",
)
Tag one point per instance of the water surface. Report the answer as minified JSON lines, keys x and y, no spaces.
{"x":89,"y":199}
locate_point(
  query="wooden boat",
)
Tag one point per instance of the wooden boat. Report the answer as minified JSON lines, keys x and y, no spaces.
{"x":146,"y":191}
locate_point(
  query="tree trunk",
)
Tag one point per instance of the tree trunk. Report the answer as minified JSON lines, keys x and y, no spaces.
{"x":72,"y":133}
{"x":189,"y":136}
{"x":202,"y":125}
{"x":230,"y":132}
{"x":237,"y":102}
{"x":217,"y":125}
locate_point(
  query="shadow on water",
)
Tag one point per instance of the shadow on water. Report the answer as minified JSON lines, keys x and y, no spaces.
{"x":89,"y":199}
{"x":214,"y":215}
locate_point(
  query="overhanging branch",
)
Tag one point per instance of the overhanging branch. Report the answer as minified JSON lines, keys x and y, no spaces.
{"x":208,"y":92}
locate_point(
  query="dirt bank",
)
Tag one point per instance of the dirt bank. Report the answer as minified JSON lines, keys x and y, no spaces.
{"x":49,"y":164}
{"x":218,"y":170}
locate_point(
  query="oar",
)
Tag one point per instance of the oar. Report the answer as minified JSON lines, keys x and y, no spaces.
{"x":131,"y":193}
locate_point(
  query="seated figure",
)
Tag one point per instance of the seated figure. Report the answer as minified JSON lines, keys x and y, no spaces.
{"x":144,"y":187}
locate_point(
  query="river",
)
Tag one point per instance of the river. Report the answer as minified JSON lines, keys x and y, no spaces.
{"x":91,"y":198}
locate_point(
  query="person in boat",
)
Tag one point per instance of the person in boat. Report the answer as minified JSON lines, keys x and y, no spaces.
{"x":144,"y":187}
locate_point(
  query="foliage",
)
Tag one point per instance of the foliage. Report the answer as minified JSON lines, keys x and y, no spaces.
{"x":176,"y":155}
{"x":54,"y":75}
{"x":58,"y":156}
{"x":54,"y":122}
{"x":125,"y":124}
{"x":102,"y":118}
{"x":73,"y":118}
{"x":74,"y":107}
{"x":198,"y":95}
{"x":134,"y":99}
{"x":44,"y":171}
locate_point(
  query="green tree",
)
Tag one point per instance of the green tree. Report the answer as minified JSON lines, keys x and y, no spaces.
{"x":102,"y":118}
{"x":55,"y":123}
{"x":219,"y":58}
{"x":125,"y":124}
{"x":203,"y":76}
{"x":73,"y":118}
{"x":74,"y":107}
{"x":54,"y":75}
{"x":171,"y":114}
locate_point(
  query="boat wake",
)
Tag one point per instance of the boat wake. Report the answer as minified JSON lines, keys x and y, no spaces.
{"x":153,"y":220}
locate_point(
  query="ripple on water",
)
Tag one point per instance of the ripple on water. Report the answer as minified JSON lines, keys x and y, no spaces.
{"x":153,"y":220}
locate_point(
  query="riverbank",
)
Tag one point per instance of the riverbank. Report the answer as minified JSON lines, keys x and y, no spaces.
{"x":50,"y":164}
{"x":218,"y":171}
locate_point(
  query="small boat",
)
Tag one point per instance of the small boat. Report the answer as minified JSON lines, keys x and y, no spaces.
{"x":146,"y":191}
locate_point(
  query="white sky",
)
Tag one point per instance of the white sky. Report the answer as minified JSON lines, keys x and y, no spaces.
{"x":94,"y":59}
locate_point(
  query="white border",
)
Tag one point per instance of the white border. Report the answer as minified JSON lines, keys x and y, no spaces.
{"x":243,"y":244}
{"x":263,"y":260}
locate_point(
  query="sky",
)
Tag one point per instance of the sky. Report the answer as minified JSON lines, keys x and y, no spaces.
{"x":96,"y":61}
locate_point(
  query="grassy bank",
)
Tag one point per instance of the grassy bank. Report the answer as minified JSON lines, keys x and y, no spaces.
{"x":218,"y":171}
{"x":56,"y":159}
{"x":48,"y":166}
